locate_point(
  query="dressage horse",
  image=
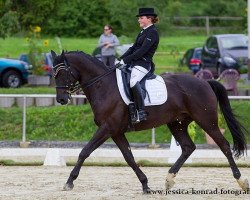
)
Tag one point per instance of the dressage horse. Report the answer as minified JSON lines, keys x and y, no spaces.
{"x":189,"y":99}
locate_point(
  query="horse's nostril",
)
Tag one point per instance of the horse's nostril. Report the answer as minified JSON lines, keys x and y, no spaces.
{"x":61,"y":101}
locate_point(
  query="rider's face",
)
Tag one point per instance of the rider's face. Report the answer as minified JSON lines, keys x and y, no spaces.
{"x":144,"y":21}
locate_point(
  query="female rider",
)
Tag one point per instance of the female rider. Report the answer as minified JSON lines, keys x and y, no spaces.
{"x":139,"y":57}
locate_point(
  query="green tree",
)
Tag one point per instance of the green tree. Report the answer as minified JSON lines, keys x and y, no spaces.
{"x":18,"y":15}
{"x":9,"y":23}
{"x":84,"y":18}
{"x":80,"y":18}
{"x":125,"y":12}
{"x":35,"y":12}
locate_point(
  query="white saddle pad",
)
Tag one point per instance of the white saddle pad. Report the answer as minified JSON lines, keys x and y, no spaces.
{"x":156,"y":89}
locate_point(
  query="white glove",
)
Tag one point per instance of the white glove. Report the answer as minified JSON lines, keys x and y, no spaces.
{"x":119,"y":64}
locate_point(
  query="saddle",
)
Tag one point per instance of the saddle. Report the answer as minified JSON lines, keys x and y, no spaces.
{"x":153,"y":87}
{"x":126,"y":75}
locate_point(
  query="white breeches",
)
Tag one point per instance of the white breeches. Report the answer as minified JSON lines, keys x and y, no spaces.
{"x":137,"y":75}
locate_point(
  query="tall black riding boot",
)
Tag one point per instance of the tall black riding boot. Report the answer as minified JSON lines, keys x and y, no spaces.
{"x":139,"y":102}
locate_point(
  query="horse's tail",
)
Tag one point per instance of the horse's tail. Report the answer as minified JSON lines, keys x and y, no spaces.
{"x":237,"y":130}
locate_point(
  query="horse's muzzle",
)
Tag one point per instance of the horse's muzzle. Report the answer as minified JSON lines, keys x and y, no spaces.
{"x":63,"y":99}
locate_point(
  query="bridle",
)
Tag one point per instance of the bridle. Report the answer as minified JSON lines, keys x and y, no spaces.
{"x":73,"y":86}
{"x":70,"y":86}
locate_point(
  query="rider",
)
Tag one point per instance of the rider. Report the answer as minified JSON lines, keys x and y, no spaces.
{"x":139,"y":56}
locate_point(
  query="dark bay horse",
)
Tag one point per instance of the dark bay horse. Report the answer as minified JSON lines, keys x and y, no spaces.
{"x":189,"y":99}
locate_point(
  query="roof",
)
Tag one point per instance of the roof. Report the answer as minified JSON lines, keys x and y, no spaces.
{"x":227,"y":35}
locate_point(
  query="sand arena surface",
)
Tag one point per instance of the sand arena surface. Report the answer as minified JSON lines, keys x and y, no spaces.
{"x":31,"y":183}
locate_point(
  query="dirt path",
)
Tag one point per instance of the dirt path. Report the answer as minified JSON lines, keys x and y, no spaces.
{"x":31,"y":183}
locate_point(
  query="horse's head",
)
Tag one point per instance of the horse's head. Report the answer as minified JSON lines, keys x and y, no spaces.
{"x":64,"y":77}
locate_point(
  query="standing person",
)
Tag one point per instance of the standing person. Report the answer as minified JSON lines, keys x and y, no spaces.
{"x":139,"y":57}
{"x":107,"y":42}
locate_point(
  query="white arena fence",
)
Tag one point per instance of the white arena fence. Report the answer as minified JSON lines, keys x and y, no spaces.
{"x":25,"y":96}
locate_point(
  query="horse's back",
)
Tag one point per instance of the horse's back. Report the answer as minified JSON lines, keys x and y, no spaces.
{"x":184,"y":81}
{"x":189,"y":88}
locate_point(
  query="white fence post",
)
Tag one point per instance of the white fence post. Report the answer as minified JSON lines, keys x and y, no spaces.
{"x":153,"y":144}
{"x":207,"y":25}
{"x":24,"y":119}
{"x":153,"y":137}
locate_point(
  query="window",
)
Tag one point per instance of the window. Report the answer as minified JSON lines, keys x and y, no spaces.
{"x":189,"y":54}
{"x":197,"y":54}
{"x":234,"y":42}
{"x":212,"y":43}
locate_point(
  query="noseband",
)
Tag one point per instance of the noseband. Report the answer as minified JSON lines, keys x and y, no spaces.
{"x":72,"y":87}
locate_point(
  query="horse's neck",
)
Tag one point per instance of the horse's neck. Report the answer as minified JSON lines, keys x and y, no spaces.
{"x":89,"y":71}
{"x":100,"y":94}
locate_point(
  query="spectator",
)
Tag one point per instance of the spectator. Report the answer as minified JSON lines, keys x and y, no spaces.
{"x":107,"y":42}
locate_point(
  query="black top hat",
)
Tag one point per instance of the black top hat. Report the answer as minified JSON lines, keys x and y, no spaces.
{"x":146,"y":12}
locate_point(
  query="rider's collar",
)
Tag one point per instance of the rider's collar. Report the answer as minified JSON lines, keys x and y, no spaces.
{"x":147,"y":26}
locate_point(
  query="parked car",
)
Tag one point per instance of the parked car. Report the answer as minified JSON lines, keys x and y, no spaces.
{"x":192,"y":59}
{"x":122,"y":49}
{"x":97,"y":53}
{"x":13,"y":72}
{"x":226,"y":51}
{"x":48,"y":63}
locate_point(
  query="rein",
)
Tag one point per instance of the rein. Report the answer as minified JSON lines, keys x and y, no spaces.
{"x":73,"y":87}
{"x":96,"y":79}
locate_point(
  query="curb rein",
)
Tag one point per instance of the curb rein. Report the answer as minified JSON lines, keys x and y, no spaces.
{"x":73,"y":87}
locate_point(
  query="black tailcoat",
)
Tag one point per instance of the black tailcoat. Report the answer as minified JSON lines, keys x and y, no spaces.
{"x":142,"y":51}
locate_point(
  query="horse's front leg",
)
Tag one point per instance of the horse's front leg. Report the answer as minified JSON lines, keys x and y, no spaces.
{"x":101,"y":135}
{"x":124,"y":146}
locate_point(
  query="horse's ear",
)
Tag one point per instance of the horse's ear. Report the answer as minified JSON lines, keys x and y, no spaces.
{"x":53,"y":54}
{"x":64,"y":57}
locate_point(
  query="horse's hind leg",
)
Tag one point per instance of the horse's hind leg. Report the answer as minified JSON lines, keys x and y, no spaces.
{"x":179,"y":131}
{"x":224,"y":145}
{"x":101,"y":135}
{"x":124,"y":146}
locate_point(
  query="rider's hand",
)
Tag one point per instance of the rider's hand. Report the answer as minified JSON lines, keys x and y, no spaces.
{"x":119,"y":64}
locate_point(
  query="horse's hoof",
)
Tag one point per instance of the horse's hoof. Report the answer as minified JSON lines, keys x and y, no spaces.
{"x":170,"y":181}
{"x":243,"y":184}
{"x":68,"y":187}
{"x":147,"y":191}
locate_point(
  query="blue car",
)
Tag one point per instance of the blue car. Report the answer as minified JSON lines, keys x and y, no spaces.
{"x":47,"y":66}
{"x":13,"y":73}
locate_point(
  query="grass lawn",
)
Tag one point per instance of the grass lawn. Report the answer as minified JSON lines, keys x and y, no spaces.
{"x":28,"y":90}
{"x":13,"y":47}
{"x":75,"y":123}
{"x":169,"y":51}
